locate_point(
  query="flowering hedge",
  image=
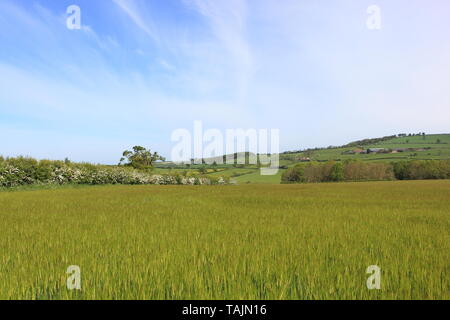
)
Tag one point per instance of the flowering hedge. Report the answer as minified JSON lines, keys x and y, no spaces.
{"x":27,"y":171}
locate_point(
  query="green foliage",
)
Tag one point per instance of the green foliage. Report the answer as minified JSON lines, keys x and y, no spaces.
{"x":337,"y":172}
{"x":422,"y":169}
{"x":140,"y":158}
{"x":354,"y":170}
{"x":23,"y":171}
{"x":295,"y":174}
{"x":366,"y":142}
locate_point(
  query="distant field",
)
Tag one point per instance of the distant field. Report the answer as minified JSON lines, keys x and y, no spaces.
{"x":311,"y":241}
{"x":256,"y":177}
{"x":439,"y":150}
{"x":250,"y":174}
{"x":427,"y":139}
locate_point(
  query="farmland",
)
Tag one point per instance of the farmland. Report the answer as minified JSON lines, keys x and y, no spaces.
{"x":312,"y":241}
{"x":418,"y":147}
{"x":437,"y":147}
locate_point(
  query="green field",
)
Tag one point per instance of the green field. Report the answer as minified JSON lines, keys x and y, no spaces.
{"x":311,"y":241}
{"x":256,"y":177}
{"x":437,"y":150}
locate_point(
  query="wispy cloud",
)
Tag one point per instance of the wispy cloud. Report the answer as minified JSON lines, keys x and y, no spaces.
{"x":228,"y":21}
{"x":131,"y":8}
{"x":139,"y":69}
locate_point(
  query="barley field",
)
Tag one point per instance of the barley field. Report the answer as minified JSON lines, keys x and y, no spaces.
{"x":311,"y":241}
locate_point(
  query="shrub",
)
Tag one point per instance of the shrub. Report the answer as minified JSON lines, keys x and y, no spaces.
{"x":356,"y":170}
{"x":337,"y":172}
{"x":294,"y":174}
{"x":422,"y":169}
{"x":24,"y":171}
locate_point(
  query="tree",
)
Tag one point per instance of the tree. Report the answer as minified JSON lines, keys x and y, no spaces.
{"x":294,"y":174}
{"x":337,"y":172}
{"x":438,"y":141}
{"x":140,"y":158}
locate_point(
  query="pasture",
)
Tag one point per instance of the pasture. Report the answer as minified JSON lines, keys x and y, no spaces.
{"x":258,"y":241}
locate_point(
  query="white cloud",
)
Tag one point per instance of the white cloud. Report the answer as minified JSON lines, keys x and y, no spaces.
{"x":131,"y":8}
{"x":166,"y":65}
{"x":300,"y":67}
{"x":228,"y":21}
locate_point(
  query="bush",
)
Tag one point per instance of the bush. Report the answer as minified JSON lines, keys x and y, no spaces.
{"x":25,"y":171}
{"x":422,"y":169}
{"x":356,"y":170}
{"x":368,"y":171}
{"x":294,"y":174}
{"x":337,"y":172}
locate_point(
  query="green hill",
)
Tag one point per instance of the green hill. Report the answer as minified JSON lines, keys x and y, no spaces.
{"x":414,"y":147}
{"x":433,"y":146}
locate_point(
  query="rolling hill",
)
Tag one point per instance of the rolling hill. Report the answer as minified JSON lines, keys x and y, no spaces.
{"x":395,"y":148}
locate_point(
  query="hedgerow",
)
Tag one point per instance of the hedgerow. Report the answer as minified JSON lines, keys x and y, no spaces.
{"x":22,"y":171}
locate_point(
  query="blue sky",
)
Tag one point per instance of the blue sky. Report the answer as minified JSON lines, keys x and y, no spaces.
{"x":139,"y":69}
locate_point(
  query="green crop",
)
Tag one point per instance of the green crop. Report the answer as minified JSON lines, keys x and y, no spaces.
{"x":311,"y":241}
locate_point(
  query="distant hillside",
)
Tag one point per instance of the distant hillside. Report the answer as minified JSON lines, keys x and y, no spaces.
{"x":219,"y":160}
{"x":390,"y":148}
{"x":366,"y":142}
{"x":433,"y":146}
{"x":396,"y":147}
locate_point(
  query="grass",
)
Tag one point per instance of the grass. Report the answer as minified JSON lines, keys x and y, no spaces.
{"x":438,"y":150}
{"x":310,"y":241}
{"x":256,"y":177}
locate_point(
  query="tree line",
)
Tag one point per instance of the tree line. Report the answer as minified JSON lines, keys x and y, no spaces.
{"x":356,"y":170}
